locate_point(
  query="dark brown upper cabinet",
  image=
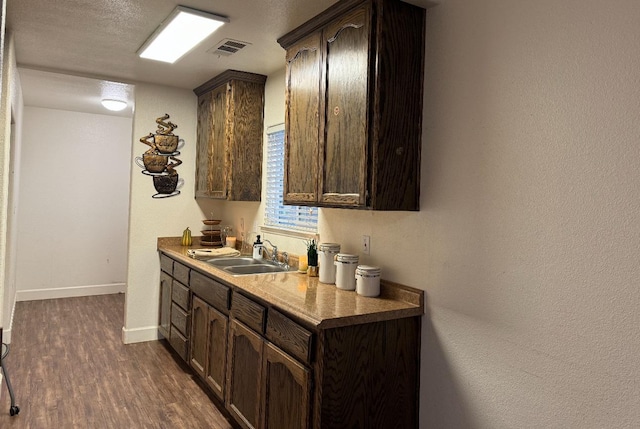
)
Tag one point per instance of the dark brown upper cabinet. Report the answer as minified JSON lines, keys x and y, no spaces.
{"x":353,"y":118}
{"x":229,"y":137}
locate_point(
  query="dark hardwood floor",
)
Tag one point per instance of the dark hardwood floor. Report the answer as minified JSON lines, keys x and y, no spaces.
{"x":69,"y":369}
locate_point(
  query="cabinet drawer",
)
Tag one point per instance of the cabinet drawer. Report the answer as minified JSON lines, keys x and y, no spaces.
{"x":289,"y":336}
{"x":249,"y":312}
{"x":212,"y":292}
{"x":180,"y":319}
{"x":181,"y":273}
{"x":180,"y":295}
{"x":179,"y":343}
{"x":166,"y":264}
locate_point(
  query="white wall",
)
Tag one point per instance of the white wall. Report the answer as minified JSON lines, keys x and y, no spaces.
{"x":531,"y":222}
{"x":73,"y":203}
{"x":149,"y":217}
{"x":12,"y":125}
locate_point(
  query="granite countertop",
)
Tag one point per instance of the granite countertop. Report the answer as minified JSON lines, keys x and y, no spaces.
{"x":320,"y":305}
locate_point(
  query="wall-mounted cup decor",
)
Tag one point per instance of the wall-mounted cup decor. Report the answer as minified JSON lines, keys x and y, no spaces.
{"x":167,"y":184}
{"x":152,"y":162}
{"x":167,"y":144}
{"x":160,"y":160}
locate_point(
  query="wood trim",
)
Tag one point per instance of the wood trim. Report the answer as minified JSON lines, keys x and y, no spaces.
{"x":164,"y":315}
{"x":342,"y":199}
{"x":226,"y":76}
{"x":317,"y":22}
{"x":296,"y":199}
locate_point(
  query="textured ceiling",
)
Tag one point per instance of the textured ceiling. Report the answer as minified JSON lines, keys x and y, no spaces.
{"x":99,"y":38}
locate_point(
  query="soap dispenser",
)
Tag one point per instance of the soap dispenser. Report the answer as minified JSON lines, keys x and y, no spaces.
{"x":257,"y":248}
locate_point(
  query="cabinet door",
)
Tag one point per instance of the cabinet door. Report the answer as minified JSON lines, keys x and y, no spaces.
{"x":164,"y":322}
{"x":344,"y":153}
{"x":217,"y":351}
{"x":211,"y":160}
{"x":245,"y":135}
{"x":204,"y":145}
{"x":218,"y":173}
{"x":303,"y":120}
{"x":244,"y":374}
{"x":287,"y":391}
{"x":199,"y":324}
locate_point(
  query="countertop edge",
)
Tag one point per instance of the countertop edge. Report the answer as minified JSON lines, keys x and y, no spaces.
{"x":411,"y":297}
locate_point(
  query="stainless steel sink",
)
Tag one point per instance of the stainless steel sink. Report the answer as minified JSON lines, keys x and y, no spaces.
{"x":240,"y":266}
{"x":228,"y":262}
{"x":255,"y":269}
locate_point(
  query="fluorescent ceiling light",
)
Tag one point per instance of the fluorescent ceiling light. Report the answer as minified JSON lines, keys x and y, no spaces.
{"x":115,"y":105}
{"x":179,"y":33}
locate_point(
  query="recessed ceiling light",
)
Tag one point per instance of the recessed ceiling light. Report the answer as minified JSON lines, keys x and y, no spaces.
{"x":115,"y":105}
{"x":179,"y":33}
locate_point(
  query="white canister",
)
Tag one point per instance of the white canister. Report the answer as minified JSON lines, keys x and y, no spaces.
{"x":326,"y":255}
{"x":367,"y":280}
{"x":345,"y":271}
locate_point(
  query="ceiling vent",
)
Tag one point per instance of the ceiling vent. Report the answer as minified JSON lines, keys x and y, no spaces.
{"x":227,"y":47}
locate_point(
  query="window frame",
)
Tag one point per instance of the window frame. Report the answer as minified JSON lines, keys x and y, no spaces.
{"x":278,"y":217}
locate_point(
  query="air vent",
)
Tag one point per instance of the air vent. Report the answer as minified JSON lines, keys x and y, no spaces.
{"x":227,"y":47}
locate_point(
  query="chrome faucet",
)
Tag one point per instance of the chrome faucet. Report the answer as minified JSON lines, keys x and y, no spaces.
{"x":273,"y":256}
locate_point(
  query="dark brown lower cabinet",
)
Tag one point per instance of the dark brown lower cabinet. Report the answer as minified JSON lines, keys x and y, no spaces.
{"x":273,"y":371}
{"x":286,"y":384}
{"x":165,"y":305}
{"x":244,"y":369}
{"x":209,"y":345}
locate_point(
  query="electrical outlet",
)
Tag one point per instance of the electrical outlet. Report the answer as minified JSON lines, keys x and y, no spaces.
{"x":366,"y":244}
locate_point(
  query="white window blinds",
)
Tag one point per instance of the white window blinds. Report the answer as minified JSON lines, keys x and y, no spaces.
{"x":277,"y":215}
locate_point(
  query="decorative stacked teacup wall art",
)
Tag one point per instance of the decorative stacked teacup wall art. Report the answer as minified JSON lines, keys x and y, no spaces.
{"x":160,"y":160}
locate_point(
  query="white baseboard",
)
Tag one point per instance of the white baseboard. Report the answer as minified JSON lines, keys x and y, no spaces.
{"x":6,"y":332}
{"x":69,"y":292}
{"x":140,"y":335}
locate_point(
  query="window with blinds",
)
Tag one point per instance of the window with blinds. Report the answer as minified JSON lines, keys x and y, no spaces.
{"x":276,"y":214}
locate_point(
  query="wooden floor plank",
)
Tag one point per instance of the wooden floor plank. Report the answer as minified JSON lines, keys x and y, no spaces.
{"x":69,"y":369}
